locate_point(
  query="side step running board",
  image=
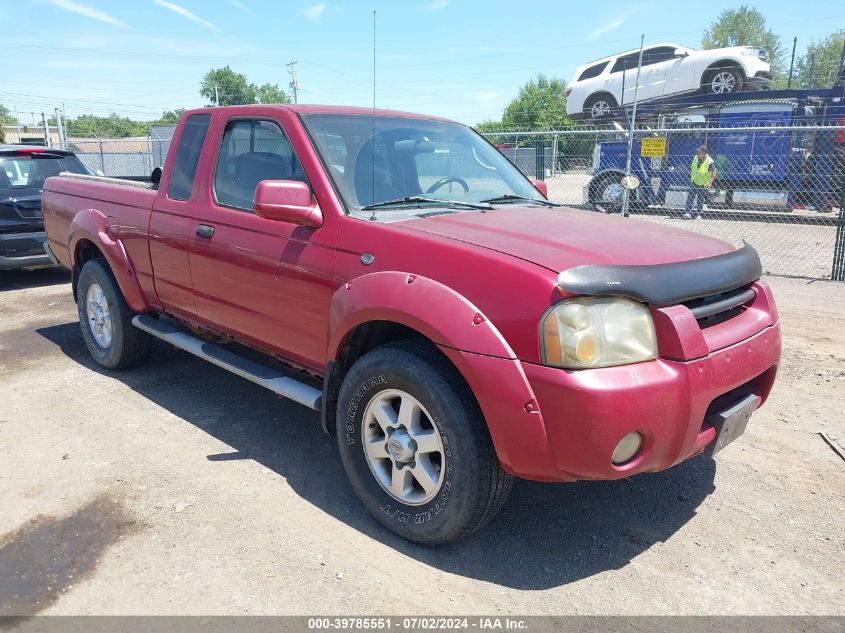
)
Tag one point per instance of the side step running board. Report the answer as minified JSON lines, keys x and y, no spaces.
{"x":243,"y":367}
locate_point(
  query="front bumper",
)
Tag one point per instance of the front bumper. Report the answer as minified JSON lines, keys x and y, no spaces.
{"x":760,"y":81}
{"x":23,"y":250}
{"x":586,"y":413}
{"x":551,"y":424}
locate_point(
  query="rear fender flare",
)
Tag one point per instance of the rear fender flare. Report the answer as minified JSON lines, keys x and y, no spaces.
{"x":93,"y":225}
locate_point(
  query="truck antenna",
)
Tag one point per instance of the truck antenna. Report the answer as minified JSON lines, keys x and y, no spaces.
{"x":373,"y":217}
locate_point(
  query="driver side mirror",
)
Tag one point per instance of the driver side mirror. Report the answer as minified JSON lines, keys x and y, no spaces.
{"x":287,"y":201}
{"x":540,"y":185}
{"x":680,"y":53}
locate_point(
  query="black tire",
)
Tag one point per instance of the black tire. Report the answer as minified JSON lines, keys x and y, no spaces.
{"x":597,"y":190}
{"x":729,"y":77}
{"x":595,"y":99}
{"x":473,"y":486}
{"x":129,"y":346}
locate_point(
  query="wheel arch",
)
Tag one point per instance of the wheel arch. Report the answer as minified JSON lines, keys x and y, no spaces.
{"x":381,"y":307}
{"x":92,"y":236}
{"x":726,"y":62}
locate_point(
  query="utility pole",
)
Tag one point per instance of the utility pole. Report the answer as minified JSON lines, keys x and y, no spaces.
{"x":216,"y":96}
{"x":49,"y":143}
{"x":626,"y":193}
{"x":61,"y":129}
{"x":792,"y":63}
{"x":294,"y":84}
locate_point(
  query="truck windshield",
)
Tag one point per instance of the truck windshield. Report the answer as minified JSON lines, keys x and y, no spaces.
{"x":410,"y":165}
{"x":29,"y":171}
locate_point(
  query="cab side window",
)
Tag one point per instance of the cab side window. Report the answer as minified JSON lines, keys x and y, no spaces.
{"x":187,"y":156}
{"x":252,"y":151}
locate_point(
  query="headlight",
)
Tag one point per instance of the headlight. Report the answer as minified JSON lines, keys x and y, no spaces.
{"x":587,"y":332}
{"x":750,"y":51}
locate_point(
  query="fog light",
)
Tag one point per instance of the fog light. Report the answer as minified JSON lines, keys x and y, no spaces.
{"x":627,"y":448}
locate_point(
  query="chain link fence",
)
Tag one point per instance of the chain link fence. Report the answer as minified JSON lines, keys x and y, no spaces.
{"x":780,"y":188}
{"x":777,"y":187}
{"x":124,"y":157}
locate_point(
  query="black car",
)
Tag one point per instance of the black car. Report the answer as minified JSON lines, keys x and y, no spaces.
{"x":23,"y":170}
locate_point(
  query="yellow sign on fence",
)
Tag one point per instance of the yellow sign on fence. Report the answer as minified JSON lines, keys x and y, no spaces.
{"x":653,"y":146}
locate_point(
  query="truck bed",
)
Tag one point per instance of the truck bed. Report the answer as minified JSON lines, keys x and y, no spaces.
{"x":117,"y":207}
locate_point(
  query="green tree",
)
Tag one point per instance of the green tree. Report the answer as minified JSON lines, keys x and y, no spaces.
{"x":271,"y":93}
{"x":112,"y":126}
{"x":746,"y":26}
{"x":169,"y":117}
{"x":231,"y":88}
{"x":540,"y":104}
{"x":489,"y":127}
{"x":227,"y":86}
{"x":6,"y":118}
{"x":819,"y":66}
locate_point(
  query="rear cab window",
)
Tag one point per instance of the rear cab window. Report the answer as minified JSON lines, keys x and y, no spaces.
{"x":185,"y":162}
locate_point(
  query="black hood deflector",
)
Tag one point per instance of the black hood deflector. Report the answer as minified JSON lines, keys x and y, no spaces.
{"x":666,"y":284}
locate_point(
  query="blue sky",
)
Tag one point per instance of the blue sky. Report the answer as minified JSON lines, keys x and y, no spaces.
{"x":457,"y":58}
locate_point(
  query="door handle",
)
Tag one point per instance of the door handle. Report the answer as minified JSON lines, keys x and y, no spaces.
{"x":205,"y":231}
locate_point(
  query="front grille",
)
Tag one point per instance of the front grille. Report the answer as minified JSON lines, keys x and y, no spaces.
{"x":720,"y":307}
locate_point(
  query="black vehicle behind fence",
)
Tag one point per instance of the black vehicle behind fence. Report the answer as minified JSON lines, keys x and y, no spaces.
{"x":23,"y":170}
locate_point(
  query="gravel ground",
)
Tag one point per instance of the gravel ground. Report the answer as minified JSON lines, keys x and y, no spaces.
{"x":800,"y":243}
{"x":177,"y":488}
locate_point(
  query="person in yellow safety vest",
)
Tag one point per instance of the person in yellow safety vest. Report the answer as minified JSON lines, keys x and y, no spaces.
{"x":702,"y":175}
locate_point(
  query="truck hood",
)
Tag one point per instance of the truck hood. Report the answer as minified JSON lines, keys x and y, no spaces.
{"x":561,"y":238}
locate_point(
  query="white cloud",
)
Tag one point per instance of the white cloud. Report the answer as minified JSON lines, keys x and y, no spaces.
{"x":314,"y":11}
{"x":89,"y":12}
{"x":434,"y":5}
{"x":486,"y":96}
{"x":180,"y":10}
{"x":240,"y":5}
{"x":612,"y":25}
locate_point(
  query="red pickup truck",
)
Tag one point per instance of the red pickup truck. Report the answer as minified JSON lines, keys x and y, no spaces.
{"x":453,"y":326}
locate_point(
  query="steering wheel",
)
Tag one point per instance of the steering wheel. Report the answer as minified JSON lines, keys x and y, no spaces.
{"x":446,"y":180}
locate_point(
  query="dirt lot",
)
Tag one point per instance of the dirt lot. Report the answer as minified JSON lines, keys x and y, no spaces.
{"x":179,"y":488}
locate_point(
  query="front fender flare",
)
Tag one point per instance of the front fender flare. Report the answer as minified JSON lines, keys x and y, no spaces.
{"x":427,"y":306}
{"x":93,"y":225}
{"x":473,"y":344}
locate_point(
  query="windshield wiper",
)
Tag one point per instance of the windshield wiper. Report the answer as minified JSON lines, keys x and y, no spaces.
{"x":509,"y":197}
{"x":409,"y":200}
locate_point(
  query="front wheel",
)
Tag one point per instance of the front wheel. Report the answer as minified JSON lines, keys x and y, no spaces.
{"x":106,"y":320}
{"x":607,"y":194}
{"x":723,"y":80}
{"x":415,"y":446}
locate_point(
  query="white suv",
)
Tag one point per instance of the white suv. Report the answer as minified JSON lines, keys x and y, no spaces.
{"x":668,"y":69}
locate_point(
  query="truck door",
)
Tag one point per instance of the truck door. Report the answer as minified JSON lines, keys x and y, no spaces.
{"x":172,"y":224}
{"x":264,"y":281}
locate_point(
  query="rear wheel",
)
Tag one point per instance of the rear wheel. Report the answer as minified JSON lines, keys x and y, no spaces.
{"x":599,"y":106}
{"x":415,"y":446}
{"x":723,"y":80}
{"x":106,"y":320}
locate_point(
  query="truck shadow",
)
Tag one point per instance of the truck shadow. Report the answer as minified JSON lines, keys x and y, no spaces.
{"x":547,"y":535}
{"x":20,"y":279}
